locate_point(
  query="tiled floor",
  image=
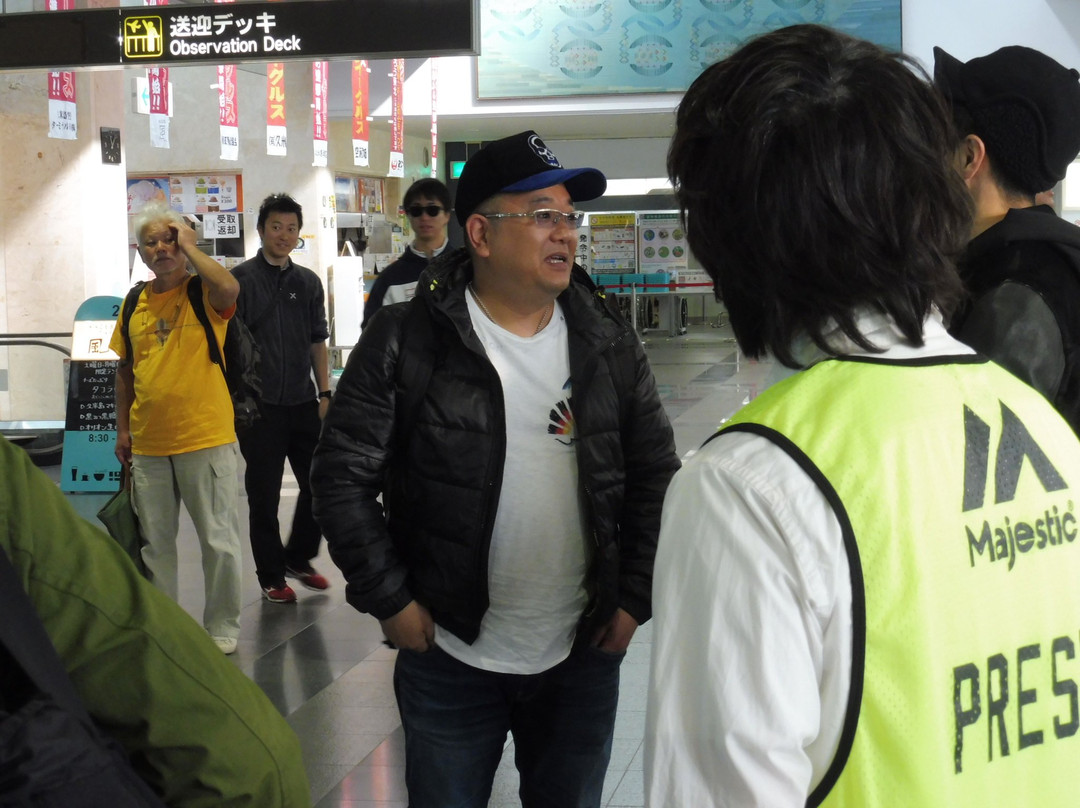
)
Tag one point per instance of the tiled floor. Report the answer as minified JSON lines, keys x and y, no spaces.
{"x":323,"y":664}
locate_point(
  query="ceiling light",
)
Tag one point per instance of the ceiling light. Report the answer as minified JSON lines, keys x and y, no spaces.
{"x":640,"y":186}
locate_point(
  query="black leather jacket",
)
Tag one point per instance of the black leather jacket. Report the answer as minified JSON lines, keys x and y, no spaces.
{"x":1023,"y":277}
{"x":441,"y":483}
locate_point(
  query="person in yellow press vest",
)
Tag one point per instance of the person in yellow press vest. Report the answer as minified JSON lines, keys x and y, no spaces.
{"x":865,"y":586}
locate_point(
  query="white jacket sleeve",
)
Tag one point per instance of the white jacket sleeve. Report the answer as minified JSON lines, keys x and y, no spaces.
{"x":751,"y":635}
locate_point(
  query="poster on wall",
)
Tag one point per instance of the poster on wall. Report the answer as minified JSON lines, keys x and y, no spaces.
{"x":662,"y":244}
{"x":187,"y":193}
{"x":204,"y":193}
{"x":144,"y":190}
{"x":345,"y":198}
{"x":371,"y":195}
{"x":538,"y":50}
{"x":613,"y":242}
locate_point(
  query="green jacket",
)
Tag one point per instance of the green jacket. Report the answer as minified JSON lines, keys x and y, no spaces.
{"x":195,"y":727}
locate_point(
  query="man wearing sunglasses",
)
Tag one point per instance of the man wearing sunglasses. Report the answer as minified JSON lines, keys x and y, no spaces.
{"x":427,"y":204}
{"x":509,"y":419}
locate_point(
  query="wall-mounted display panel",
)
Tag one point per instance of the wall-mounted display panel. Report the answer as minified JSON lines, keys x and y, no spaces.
{"x":603,"y":47}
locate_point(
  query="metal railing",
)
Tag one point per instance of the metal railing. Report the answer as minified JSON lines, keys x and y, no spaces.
{"x":41,"y":438}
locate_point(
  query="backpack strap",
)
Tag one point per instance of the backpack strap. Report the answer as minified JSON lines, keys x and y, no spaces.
{"x":131,"y":300}
{"x":194,"y":293}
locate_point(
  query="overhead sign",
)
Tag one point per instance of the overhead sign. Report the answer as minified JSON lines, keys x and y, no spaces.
{"x":240,"y":32}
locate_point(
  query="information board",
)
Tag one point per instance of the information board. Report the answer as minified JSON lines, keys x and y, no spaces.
{"x":662,"y":243}
{"x":613,"y":242}
{"x":89,"y":463}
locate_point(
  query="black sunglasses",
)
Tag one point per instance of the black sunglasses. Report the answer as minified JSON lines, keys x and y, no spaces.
{"x":431,"y":210}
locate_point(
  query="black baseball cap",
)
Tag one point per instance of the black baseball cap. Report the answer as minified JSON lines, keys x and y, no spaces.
{"x":1025,"y":107}
{"x":516,"y":164}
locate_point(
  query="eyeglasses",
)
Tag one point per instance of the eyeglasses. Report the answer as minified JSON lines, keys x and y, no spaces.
{"x":431,"y":210}
{"x":545,"y":217}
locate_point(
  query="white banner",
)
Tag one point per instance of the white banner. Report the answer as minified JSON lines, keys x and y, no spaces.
{"x":277,"y":142}
{"x":159,"y":106}
{"x":230,"y":142}
{"x":228,"y":113}
{"x":397,"y":165}
{"x":63,"y":123}
{"x":360,"y":152}
{"x":159,"y":130}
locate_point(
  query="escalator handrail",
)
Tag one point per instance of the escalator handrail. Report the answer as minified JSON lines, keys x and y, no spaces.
{"x":8,"y":340}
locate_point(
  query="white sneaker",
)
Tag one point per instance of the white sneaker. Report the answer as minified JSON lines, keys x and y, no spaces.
{"x":226,"y":644}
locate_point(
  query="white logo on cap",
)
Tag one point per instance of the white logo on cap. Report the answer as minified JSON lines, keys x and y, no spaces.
{"x":543,"y":152}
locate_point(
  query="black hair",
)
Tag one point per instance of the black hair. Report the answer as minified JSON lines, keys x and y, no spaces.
{"x":814,"y":174}
{"x":279,"y":203}
{"x":964,"y":125}
{"x":430,"y":188}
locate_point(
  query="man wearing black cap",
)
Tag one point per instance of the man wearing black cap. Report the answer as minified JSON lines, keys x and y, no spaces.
{"x":510,"y":421}
{"x":1017,"y":112}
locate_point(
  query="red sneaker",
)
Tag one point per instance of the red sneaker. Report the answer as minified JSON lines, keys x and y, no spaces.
{"x":308,"y":578}
{"x":279,"y":594}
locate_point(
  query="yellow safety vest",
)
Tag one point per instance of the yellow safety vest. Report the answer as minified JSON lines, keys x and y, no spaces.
{"x":954,"y":484}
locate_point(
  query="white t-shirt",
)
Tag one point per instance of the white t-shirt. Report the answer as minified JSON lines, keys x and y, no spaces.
{"x":537,"y":561}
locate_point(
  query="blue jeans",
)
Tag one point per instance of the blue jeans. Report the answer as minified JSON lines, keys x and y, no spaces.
{"x":456,"y":718}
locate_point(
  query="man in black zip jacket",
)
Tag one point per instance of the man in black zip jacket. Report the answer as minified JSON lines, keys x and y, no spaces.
{"x":509,"y":419}
{"x":1017,"y":117}
{"x":283,"y":305}
{"x":427,"y":204}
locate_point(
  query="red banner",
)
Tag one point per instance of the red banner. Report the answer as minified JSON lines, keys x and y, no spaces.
{"x":320,"y":85}
{"x":434,"y":118}
{"x":159,"y":90}
{"x":62,"y":86}
{"x":360,"y":99}
{"x":228,"y":108}
{"x":275,"y":94}
{"x":397,"y":91}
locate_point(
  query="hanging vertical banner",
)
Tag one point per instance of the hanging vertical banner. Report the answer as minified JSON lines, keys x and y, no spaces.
{"x":397,"y":121}
{"x":276,"y":139}
{"x":228,"y":112}
{"x":434,"y":118}
{"x":360,"y":72}
{"x":320,"y":85}
{"x":63,"y":120}
{"x":158,"y":78}
{"x":228,"y":109}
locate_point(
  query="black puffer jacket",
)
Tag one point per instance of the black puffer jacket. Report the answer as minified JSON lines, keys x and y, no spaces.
{"x":442,"y":481}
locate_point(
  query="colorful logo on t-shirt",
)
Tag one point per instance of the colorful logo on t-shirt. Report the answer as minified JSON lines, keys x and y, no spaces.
{"x":562,"y":419}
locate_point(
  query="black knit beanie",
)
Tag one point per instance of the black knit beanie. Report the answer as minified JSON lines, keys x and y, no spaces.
{"x":1024,"y":106}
